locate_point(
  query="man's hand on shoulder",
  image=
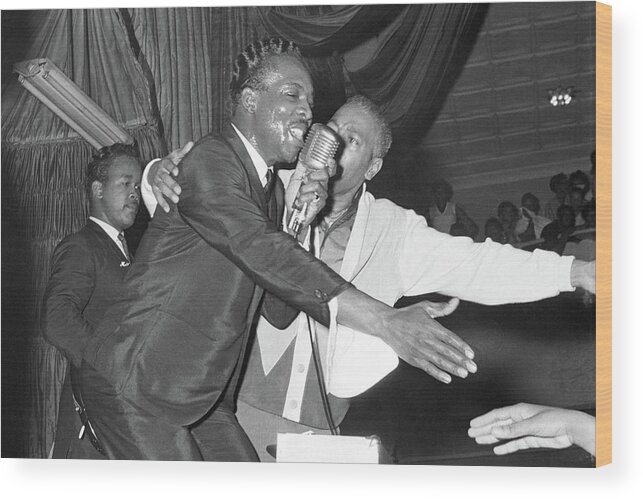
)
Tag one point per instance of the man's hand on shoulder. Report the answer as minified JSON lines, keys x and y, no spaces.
{"x":162,"y":177}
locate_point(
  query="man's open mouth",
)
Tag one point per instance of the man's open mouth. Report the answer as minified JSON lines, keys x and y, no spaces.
{"x":298,"y":131}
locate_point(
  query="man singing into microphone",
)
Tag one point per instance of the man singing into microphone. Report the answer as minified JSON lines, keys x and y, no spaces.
{"x":160,"y":373}
{"x":388,"y":252}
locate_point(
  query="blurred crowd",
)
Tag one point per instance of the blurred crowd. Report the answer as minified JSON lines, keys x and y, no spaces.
{"x":566,"y":223}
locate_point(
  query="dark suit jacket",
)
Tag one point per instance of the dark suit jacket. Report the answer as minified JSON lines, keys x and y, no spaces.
{"x":88,"y":269}
{"x":173,"y":344}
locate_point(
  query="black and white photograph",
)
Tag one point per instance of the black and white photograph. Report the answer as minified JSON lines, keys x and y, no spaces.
{"x":350,"y":234}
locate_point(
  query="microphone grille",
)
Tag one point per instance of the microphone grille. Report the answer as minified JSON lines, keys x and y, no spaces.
{"x":321,"y":145}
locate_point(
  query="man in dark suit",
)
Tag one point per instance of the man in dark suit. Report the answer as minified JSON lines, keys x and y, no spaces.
{"x":160,"y":374}
{"x":87,"y":275}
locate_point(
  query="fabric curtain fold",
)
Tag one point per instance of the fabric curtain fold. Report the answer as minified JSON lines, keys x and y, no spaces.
{"x":43,"y":188}
{"x":416,"y":65}
{"x":176,"y":44}
{"x":327,"y":28}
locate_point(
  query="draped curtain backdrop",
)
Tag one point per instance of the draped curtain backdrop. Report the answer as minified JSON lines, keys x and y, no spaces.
{"x":163,"y":74}
{"x":43,"y":200}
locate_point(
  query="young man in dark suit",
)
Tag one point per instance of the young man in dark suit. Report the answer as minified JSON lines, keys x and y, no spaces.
{"x":87,"y":275}
{"x":160,"y":374}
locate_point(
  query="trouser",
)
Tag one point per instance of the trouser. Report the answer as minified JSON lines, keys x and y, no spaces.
{"x":67,"y":444}
{"x":262,"y":428}
{"x":127,"y":432}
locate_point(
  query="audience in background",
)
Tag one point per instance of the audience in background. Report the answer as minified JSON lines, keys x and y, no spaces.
{"x":558,"y":233}
{"x":508,"y":215}
{"x":493,"y":230}
{"x":580,"y":180}
{"x":559,"y":185}
{"x":531,"y":224}
{"x":446,"y":216}
{"x":519,"y":227}
{"x":577,"y":201}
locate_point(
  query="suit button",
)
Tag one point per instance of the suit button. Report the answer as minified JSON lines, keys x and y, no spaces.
{"x":322,"y":295}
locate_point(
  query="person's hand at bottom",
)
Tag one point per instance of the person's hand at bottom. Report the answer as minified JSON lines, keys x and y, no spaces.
{"x":530,"y":426}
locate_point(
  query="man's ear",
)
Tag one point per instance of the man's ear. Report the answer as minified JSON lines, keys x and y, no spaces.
{"x":97,"y":189}
{"x":373,"y":168}
{"x":249,"y":100}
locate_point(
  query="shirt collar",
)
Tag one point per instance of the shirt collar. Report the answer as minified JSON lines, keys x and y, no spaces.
{"x":111,"y":231}
{"x":258,"y":162}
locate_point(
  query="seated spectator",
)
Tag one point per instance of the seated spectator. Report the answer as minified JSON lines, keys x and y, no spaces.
{"x":526,"y":426}
{"x":559,"y":185}
{"x":577,"y":202}
{"x":493,"y":230}
{"x":508,"y":215}
{"x":585,"y":234}
{"x":559,"y":232}
{"x":446,"y":216}
{"x":580,"y":180}
{"x":531,"y":224}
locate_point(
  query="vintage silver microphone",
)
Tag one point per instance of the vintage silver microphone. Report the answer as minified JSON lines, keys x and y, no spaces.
{"x":321,"y":145}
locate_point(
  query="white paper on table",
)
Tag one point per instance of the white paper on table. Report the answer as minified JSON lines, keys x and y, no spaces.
{"x":311,"y":448}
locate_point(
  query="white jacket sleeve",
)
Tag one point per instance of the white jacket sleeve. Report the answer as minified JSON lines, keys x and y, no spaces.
{"x":146,"y":190}
{"x":488,"y":273}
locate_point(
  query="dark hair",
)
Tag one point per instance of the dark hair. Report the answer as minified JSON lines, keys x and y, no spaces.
{"x":252,"y":65}
{"x":528,"y":195}
{"x":441,"y":183}
{"x":581,"y":177}
{"x":557,"y":179}
{"x":102,"y":159}
{"x":384,"y":135}
{"x":508,"y":204}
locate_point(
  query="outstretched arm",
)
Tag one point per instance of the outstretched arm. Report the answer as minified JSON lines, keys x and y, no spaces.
{"x":411,"y":332}
{"x":529,"y":426}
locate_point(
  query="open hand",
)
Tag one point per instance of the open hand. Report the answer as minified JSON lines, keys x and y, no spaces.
{"x":530,"y":426}
{"x":424,"y":343}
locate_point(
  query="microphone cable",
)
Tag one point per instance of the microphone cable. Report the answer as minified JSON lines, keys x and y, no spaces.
{"x":320,"y":377}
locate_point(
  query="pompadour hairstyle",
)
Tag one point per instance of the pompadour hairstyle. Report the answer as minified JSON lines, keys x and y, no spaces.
{"x":384,"y":135}
{"x":253,"y":65}
{"x":102,"y":159}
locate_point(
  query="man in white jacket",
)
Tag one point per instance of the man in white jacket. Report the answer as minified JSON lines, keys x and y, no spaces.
{"x":387,"y":252}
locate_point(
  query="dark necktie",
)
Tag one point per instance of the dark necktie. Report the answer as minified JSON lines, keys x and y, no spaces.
{"x":267,"y":189}
{"x":121,"y":238}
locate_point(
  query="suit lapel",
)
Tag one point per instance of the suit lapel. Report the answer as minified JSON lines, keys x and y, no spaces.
{"x":109,"y":242}
{"x":232,"y":138}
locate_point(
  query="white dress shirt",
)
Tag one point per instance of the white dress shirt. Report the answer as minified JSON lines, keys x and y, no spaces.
{"x":112,"y":232}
